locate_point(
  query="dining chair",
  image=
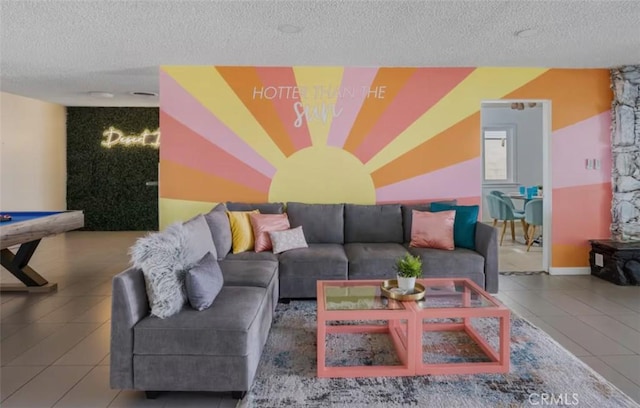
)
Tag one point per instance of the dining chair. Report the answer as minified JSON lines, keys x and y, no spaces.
{"x":508,"y":200}
{"x":533,"y":217}
{"x":500,"y":210}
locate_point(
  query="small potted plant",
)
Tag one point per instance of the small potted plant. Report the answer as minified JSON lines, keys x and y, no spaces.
{"x":408,"y":268}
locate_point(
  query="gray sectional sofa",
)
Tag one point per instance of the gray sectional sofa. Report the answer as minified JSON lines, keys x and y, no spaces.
{"x":218,"y":349}
{"x":351,"y":241}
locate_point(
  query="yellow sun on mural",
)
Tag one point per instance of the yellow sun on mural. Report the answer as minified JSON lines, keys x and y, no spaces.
{"x":322,"y":174}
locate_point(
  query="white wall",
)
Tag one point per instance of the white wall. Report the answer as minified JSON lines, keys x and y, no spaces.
{"x":33,"y":155}
{"x":528,"y":145}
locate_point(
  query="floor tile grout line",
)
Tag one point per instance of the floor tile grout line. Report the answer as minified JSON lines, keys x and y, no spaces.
{"x":617,"y":371}
{"x":84,"y":338}
{"x":30,"y":379}
{"x":74,"y":385}
{"x":598,"y":295}
{"x":49,"y":296}
{"x":624,"y":323}
{"x":613,"y":340}
{"x":54,"y":311}
{"x":114,"y":398}
{"x":609,"y":336}
{"x":56,"y":331}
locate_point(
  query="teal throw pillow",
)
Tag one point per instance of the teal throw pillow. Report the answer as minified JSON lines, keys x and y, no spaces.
{"x":464,"y":225}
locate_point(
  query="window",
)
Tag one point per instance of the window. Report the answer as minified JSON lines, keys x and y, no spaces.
{"x":497,"y":145}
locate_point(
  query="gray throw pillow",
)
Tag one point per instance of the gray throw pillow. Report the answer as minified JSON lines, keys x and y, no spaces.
{"x":218,"y":222}
{"x":199,"y":239}
{"x":203,"y":282}
{"x":162,"y":258}
{"x":288,"y":239}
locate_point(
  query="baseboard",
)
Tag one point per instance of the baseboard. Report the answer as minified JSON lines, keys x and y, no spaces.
{"x":570,"y":271}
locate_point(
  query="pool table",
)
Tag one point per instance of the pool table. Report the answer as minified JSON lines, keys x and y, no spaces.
{"x":27,"y":228}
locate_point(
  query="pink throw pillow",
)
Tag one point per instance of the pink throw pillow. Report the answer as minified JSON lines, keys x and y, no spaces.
{"x":262,"y":224}
{"x":432,"y":229}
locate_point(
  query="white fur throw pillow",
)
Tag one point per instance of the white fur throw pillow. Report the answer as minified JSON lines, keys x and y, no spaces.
{"x":162,"y":258}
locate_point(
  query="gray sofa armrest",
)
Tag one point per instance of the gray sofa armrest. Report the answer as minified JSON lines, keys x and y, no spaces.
{"x":487,"y":246}
{"x":129,"y":304}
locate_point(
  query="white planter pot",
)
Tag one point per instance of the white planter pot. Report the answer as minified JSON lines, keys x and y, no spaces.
{"x":406,"y":284}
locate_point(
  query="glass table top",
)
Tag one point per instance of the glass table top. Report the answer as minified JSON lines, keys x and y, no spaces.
{"x":345,"y":296}
{"x":453,"y":294}
{"x":439,"y":293}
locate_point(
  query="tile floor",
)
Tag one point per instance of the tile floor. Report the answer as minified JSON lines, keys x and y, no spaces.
{"x":55,"y":347}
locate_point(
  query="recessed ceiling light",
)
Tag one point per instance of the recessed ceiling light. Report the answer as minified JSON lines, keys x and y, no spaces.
{"x":101,"y":94}
{"x":527,"y":32}
{"x":143,"y":93}
{"x":289,"y":28}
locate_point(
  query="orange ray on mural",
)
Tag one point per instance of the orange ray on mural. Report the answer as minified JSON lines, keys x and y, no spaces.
{"x":458,"y":143}
{"x":576,"y":94}
{"x":243,"y":81}
{"x":393,"y":79}
{"x":286,"y":78}
{"x":425,"y":88}
{"x":184,"y":183}
{"x":570,"y":256}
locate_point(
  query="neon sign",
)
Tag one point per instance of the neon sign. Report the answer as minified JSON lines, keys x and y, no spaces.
{"x":115,"y":136}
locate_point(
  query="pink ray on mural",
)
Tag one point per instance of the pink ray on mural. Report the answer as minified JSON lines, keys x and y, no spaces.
{"x":190,"y":149}
{"x":284,"y":81}
{"x":460,"y":180}
{"x":177,"y":102}
{"x":349,"y":103}
{"x":423,"y":90}
{"x":572,"y":145}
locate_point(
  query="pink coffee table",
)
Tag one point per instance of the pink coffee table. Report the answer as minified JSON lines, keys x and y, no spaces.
{"x":358,"y":300}
{"x":459,"y":299}
{"x":464,"y":300}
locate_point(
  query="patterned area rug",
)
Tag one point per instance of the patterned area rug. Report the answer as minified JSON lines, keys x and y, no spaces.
{"x":541,"y":370}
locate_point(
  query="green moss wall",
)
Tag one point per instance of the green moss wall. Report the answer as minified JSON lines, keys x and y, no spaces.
{"x":109,"y":183}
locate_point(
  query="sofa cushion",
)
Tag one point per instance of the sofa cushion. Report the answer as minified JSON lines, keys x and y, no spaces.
{"x":264,"y":208}
{"x":226,"y":328}
{"x":373,"y":260}
{"x":407,"y":217}
{"x":218,"y":222}
{"x":372,"y":223}
{"x":249,"y":273}
{"x":252,"y":256}
{"x":198,"y":241}
{"x":433,"y":229}
{"x":241,"y":232}
{"x":464,"y":226}
{"x":459,"y":263}
{"x":287,"y":240}
{"x":322,"y":223}
{"x":203,"y":282}
{"x":322,"y":261}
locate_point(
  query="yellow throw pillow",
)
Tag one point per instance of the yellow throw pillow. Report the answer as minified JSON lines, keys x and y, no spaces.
{"x":241,"y":232}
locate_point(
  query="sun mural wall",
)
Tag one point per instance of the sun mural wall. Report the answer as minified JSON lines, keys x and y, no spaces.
{"x":374,"y":135}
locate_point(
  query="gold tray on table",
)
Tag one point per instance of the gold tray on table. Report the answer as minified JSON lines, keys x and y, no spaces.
{"x":390,"y":289}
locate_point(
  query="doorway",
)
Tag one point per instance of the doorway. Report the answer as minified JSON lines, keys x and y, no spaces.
{"x":515,"y":152}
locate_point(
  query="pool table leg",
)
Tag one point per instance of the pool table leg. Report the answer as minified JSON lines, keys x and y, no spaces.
{"x":18,"y":264}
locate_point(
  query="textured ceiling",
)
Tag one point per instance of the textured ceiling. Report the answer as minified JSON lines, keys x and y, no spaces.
{"x":58,"y":51}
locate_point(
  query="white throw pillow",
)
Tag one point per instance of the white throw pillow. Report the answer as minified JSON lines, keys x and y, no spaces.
{"x":163,"y":260}
{"x":288,"y":239}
